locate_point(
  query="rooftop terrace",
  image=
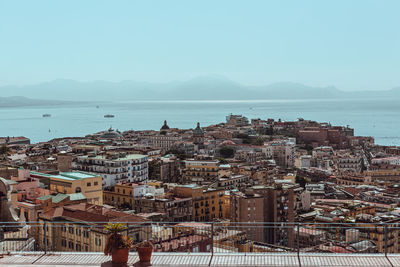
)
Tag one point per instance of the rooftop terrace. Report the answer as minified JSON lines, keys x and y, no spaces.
{"x":76,"y":175}
{"x":199,"y":259}
{"x":61,"y":243}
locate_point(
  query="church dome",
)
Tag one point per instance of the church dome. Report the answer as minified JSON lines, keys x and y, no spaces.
{"x":111,"y":134}
{"x":165,"y":126}
{"x":198,"y":131}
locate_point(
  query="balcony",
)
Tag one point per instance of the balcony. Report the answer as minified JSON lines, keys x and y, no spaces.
{"x":199,"y":259}
{"x":202,"y":244}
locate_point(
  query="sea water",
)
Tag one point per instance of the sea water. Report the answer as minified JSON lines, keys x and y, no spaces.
{"x":369,"y":117}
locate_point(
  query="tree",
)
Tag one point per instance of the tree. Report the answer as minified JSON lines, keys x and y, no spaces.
{"x":301,"y":181}
{"x":309,"y":148}
{"x":242,"y":136}
{"x":259,"y":141}
{"x":227,"y":152}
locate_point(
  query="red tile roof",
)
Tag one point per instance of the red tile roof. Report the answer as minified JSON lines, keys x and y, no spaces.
{"x":91,"y":213}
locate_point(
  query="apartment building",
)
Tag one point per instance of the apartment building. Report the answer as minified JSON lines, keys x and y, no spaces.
{"x":8,"y":172}
{"x":349,"y":163}
{"x":248,"y":207}
{"x":385,"y":238}
{"x":74,"y":182}
{"x":208,"y":204}
{"x":231,"y":182}
{"x":283,"y":152}
{"x":268,"y":204}
{"x":76,"y":228}
{"x":166,"y":169}
{"x":383,"y":175}
{"x":388,"y":160}
{"x":120,"y":196}
{"x":201,"y":170}
{"x":237,"y":120}
{"x":163,"y":140}
{"x":123,"y":194}
{"x":115,"y":167}
{"x":174,"y":209}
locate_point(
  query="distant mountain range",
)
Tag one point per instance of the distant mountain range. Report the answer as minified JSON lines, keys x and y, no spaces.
{"x":20,"y":101}
{"x":200,"y":88}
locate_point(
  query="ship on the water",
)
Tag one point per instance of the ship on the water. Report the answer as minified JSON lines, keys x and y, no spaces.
{"x":46,"y":115}
{"x":109,"y":116}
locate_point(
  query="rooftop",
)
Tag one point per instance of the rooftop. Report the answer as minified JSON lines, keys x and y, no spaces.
{"x":127,"y":157}
{"x":86,"y":259}
{"x":76,"y":175}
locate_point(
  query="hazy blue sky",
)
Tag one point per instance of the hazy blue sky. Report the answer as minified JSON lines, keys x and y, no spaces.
{"x":350,"y":44}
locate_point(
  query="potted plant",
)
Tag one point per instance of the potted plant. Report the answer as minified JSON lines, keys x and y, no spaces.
{"x":117,"y":245}
{"x":144,"y":249}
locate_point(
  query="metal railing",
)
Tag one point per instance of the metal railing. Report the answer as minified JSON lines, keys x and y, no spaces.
{"x":214,"y":237}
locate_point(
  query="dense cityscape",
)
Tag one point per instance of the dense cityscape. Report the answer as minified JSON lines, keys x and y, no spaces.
{"x":244,"y":185}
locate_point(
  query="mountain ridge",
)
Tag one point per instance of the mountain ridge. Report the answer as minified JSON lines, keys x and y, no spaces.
{"x":21,"y":101}
{"x":209,"y":87}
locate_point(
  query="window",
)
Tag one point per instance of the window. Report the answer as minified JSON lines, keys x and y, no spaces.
{"x":70,"y":244}
{"x":96,"y":183}
{"x":63,"y":242}
{"x":71,"y":230}
{"x":86,"y":248}
{"x":78,"y":247}
{"x":78,"y":231}
{"x":89,"y":184}
{"x":85,"y":234}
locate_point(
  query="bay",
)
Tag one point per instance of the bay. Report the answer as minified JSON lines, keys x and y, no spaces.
{"x":369,"y":117}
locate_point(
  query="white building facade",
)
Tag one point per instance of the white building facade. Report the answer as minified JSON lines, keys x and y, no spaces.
{"x":115,"y":168}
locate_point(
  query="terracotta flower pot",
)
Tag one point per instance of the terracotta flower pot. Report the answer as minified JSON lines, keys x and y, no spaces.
{"x":120,"y":255}
{"x":145,"y":254}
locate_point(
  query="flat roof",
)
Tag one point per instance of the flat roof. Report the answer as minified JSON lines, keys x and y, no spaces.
{"x":76,"y":175}
{"x":127,"y":157}
{"x":190,"y":186}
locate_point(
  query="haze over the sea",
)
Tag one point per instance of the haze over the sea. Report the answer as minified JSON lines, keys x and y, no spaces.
{"x":206,"y":87}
